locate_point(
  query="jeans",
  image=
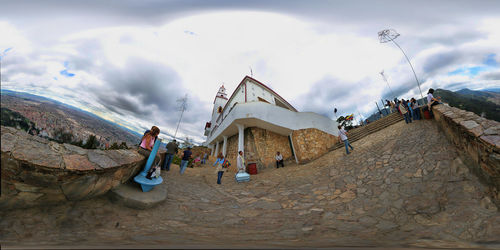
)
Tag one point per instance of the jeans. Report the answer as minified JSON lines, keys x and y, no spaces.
{"x":183,"y":166}
{"x":416,"y":114}
{"x":407,"y":117}
{"x":278,"y":164}
{"x":167,"y":161}
{"x":219,"y":176}
{"x":346,"y":143}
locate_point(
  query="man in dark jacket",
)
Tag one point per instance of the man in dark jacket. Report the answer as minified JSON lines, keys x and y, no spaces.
{"x":172,"y":149}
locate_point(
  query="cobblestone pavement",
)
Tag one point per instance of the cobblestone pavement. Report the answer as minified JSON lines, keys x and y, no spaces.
{"x":403,"y":186}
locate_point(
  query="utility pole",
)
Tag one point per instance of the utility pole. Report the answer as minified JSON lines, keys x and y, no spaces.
{"x":389,"y":35}
{"x":380,"y":112}
{"x":182,"y":102}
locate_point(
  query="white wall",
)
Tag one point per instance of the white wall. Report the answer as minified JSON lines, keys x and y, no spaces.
{"x":254,"y":91}
{"x":277,"y":116}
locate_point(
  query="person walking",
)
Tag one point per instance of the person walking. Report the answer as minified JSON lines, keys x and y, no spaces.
{"x":279,"y":160}
{"x":240,"y":162}
{"x":343,"y":136}
{"x":404,"y":112}
{"x":172,"y":149}
{"x":219,"y":169}
{"x":185,"y":159}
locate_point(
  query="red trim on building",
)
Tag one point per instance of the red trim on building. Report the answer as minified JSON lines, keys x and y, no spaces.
{"x":243,"y":81}
{"x":219,"y":97}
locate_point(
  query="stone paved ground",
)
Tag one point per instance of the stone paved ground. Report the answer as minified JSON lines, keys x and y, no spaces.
{"x":403,"y":186}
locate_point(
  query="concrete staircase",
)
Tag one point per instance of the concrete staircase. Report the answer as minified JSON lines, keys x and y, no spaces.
{"x":360,"y":132}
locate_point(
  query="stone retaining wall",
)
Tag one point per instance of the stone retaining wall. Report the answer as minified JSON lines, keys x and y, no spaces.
{"x":37,"y":171}
{"x":311,"y":143}
{"x":479,"y":141}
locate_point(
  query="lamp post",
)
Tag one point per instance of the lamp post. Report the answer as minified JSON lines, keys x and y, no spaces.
{"x":182,"y":107}
{"x":389,"y":35}
{"x":385,"y":79}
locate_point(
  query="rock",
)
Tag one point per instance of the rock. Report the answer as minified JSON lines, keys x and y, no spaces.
{"x":386,"y":225}
{"x":421,"y":205}
{"x":28,"y":196}
{"x":266,"y":205}
{"x":477,"y":131}
{"x":348,"y":196}
{"x":487,"y":204}
{"x":26,"y":188}
{"x":31,"y":152}
{"x":78,"y":163}
{"x":306,"y":229}
{"x":79,"y":188}
{"x":492,"y":139}
{"x":98,"y":157}
{"x":8,"y":141}
{"x":131,"y":195}
{"x":75,"y":149}
{"x":489,"y":131}
{"x":418,"y":174}
{"x":367,"y":221}
{"x":469,"y":124}
{"x":248,"y":213}
{"x":421,"y":219}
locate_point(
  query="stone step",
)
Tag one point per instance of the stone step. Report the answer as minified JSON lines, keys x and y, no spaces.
{"x":359,"y":133}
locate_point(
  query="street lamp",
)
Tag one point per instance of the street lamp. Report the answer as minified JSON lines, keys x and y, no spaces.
{"x":389,"y":35}
{"x":385,"y":79}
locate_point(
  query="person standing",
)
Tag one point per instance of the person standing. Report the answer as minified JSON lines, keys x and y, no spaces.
{"x":185,"y":159}
{"x":172,"y":149}
{"x":415,"y":108}
{"x":219,"y":169}
{"x":240,"y":162}
{"x":404,"y":112}
{"x":343,"y":136}
{"x":279,"y":160}
{"x":204,"y":160}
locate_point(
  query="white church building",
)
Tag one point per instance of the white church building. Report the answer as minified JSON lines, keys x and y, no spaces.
{"x":259,"y":122}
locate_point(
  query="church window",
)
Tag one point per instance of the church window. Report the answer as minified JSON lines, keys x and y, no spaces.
{"x":219,"y":110}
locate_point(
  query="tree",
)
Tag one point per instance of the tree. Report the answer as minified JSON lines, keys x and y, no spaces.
{"x":92,"y":142}
{"x":123,"y":145}
{"x":345,"y":123}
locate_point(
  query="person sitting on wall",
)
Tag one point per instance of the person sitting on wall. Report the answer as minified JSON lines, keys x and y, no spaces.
{"x":431,"y":101}
{"x":279,"y":160}
{"x":147,"y":143}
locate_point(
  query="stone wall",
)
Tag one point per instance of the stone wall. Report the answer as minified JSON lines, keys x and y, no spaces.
{"x":267,"y":144}
{"x":311,"y":143}
{"x":260,"y":147}
{"x":479,"y":141}
{"x":36,"y":171}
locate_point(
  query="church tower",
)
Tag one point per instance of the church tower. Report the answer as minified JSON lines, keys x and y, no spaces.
{"x":219,"y":103}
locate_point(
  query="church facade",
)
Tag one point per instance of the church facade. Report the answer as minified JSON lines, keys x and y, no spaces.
{"x":258,"y":121}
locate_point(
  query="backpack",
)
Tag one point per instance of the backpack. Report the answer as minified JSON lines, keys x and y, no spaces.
{"x":226,"y":164}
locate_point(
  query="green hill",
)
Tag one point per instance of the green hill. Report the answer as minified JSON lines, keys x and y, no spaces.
{"x":474,"y":101}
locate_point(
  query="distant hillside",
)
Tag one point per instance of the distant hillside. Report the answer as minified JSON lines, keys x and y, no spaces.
{"x":480,"y":102}
{"x":52,"y":116}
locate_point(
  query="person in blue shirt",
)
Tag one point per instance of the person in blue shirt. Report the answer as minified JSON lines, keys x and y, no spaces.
{"x":219,"y":169}
{"x":185,"y":160}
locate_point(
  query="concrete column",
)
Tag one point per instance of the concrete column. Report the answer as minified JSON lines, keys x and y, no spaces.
{"x":211,"y":149}
{"x":224,"y":146}
{"x":241,"y":137}
{"x":216,"y":148}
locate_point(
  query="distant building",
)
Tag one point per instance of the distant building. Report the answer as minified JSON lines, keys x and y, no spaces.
{"x":260,"y":122}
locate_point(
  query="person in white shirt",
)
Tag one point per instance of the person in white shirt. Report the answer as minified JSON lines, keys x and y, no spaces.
{"x":279,"y":160}
{"x":343,"y":136}
{"x":240,"y":162}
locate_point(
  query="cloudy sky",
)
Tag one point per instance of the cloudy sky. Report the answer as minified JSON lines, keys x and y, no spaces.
{"x":130,"y":61}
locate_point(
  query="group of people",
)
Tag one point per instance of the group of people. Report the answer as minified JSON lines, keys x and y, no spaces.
{"x":409,"y":109}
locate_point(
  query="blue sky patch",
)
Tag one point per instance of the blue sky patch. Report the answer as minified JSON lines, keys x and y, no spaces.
{"x":488,"y":64}
{"x":66,"y":73}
